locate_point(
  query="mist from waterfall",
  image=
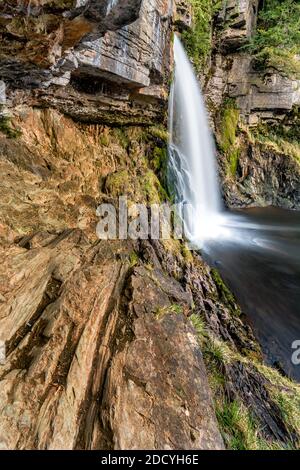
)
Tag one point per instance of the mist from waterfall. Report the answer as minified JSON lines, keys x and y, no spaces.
{"x":257,"y":251}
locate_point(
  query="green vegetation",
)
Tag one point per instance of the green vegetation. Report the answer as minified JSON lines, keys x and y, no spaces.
{"x":133,"y":259}
{"x":281,"y":137}
{"x":159,"y":132}
{"x":280,"y":145}
{"x":152,"y":188}
{"x":187,"y":254}
{"x":240,"y":429}
{"x":200,"y":327}
{"x":289,"y":405}
{"x":277,"y":41}
{"x":160,"y":158}
{"x":238,"y":426}
{"x":228,"y":140}
{"x":198,"y":40}
{"x":224,"y":292}
{"x":118,"y":183}
{"x":104,"y":140}
{"x":122,"y":136}
{"x":229,"y":125}
{"x":286,"y":395}
{"x":162,"y":311}
{"x":7,"y":129}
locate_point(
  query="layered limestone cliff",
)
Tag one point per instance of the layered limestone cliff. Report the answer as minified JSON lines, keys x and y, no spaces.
{"x":110,"y":344}
{"x":259,"y":94}
{"x":259,"y":109}
{"x":91,"y":59}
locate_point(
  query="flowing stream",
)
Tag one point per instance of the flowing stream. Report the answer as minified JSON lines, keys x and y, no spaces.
{"x":257,"y":251}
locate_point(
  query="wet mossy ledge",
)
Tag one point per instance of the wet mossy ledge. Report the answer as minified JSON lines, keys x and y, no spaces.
{"x":227,"y":136}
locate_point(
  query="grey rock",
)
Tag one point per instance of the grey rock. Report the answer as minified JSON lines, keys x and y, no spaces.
{"x":135,"y":53}
{"x":260,"y":93}
{"x":113,"y":48}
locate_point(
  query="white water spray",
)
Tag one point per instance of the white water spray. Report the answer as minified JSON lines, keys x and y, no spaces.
{"x":192,"y":153}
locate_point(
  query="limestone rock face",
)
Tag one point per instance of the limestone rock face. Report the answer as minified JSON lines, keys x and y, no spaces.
{"x":44,"y":32}
{"x":105,"y":52}
{"x":260,"y":95}
{"x":264,"y":96}
{"x":265,"y":177}
{"x":136,"y":53}
{"x":183,"y":17}
{"x":240,"y":18}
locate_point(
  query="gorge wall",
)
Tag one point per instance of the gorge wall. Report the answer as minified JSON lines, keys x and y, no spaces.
{"x":258,"y":126}
{"x":118,"y":344}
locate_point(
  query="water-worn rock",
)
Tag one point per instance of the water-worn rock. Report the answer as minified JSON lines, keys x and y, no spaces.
{"x":97,"y":358}
{"x":136,"y":53}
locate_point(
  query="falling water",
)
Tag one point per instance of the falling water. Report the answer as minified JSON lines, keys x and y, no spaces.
{"x":257,"y":251}
{"x":192,"y":152}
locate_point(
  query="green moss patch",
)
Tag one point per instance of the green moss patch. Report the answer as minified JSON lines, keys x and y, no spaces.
{"x":7,"y":129}
{"x":228,"y":136}
{"x":198,"y":40}
{"x":224,"y":292}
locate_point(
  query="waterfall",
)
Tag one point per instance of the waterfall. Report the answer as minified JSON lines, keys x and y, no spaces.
{"x":257,"y":250}
{"x":192,"y":165}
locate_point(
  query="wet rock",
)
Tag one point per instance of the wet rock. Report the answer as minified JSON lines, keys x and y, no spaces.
{"x":246,"y":383}
{"x":2,"y":93}
{"x":265,"y":177}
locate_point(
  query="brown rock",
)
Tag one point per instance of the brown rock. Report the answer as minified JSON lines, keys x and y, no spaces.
{"x":96,"y":357}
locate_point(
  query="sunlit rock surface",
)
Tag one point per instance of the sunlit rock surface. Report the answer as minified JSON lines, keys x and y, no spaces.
{"x":96,"y":358}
